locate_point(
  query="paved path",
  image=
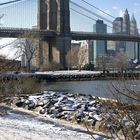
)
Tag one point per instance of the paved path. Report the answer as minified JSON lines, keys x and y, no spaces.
{"x":21,"y":126}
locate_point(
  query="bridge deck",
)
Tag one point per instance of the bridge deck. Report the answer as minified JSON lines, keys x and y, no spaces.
{"x":24,"y":32}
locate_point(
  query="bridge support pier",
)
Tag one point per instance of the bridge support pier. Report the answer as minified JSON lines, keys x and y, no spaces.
{"x":53,"y":52}
{"x":63,"y":44}
{"x":54,"y":15}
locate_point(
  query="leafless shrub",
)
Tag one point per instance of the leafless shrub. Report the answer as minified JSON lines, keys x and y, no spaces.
{"x":121,"y":62}
{"x":122,"y":119}
{"x":72,"y":57}
{"x":18,"y":87}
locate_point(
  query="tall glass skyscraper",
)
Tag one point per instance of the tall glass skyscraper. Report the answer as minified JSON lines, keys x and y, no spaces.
{"x":118,"y":28}
{"x":98,"y":47}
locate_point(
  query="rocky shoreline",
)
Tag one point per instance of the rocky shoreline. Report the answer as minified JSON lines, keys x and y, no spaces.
{"x":85,"y":110}
{"x":62,"y":105}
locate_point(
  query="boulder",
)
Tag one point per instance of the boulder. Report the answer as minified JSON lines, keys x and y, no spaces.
{"x":42,"y":111}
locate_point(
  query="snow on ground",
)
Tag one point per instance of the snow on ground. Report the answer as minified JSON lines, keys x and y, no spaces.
{"x":71,"y":72}
{"x":22,"y":126}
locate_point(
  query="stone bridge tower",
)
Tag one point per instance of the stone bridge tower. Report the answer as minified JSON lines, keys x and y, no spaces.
{"x":54,"y":15}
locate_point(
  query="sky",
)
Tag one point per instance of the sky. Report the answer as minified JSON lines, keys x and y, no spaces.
{"x":24,"y":14}
{"x":113,"y":7}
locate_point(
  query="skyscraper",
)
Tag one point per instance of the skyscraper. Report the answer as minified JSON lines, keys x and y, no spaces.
{"x":118,"y":28}
{"x":131,"y":47}
{"x":126,"y":22}
{"x":123,"y":25}
{"x":118,"y":25}
{"x":133,"y":26}
{"x":98,"y":47}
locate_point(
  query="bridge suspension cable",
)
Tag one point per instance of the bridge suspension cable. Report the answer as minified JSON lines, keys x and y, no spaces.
{"x":91,"y":12}
{"x":86,"y":16}
{"x":19,"y":14}
{"x":97,"y":15}
{"x":102,"y":11}
{"x":98,"y":9}
{"x":9,"y":2}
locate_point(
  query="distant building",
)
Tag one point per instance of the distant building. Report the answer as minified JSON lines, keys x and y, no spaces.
{"x":118,"y":25}
{"x":98,"y":47}
{"x":123,"y":25}
{"x":132,"y":47}
{"x":111,"y":48}
{"x":84,"y":53}
{"x":126,"y":22}
{"x":93,"y":48}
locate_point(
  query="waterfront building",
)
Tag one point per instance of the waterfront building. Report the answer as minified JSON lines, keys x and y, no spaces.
{"x":99,"y":47}
{"x":84,"y":53}
{"x":80,"y":48}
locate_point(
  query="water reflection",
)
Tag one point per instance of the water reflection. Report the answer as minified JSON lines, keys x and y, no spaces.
{"x":95,"y":88}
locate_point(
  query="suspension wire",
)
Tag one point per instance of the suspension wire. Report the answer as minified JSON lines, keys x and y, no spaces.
{"x":20,"y":12}
{"x":10,"y":4}
{"x":102,"y":11}
{"x":98,"y":9}
{"x":89,"y":11}
{"x":13,"y":1}
{"x":87,"y":16}
{"x":11,"y":43}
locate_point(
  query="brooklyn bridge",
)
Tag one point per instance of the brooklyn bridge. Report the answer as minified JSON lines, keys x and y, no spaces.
{"x":54,"y":32}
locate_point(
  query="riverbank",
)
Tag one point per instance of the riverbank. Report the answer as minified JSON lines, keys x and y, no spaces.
{"x":76,"y":75}
{"x":92,"y":113}
{"x":72,"y":75}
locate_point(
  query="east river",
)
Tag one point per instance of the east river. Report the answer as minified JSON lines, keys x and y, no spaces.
{"x":101,"y":88}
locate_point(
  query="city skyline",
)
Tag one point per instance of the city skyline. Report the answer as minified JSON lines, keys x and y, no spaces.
{"x":88,"y":26}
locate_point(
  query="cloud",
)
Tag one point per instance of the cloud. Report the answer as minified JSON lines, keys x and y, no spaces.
{"x":118,"y":10}
{"x":121,"y":12}
{"x":115,"y":7}
{"x":136,"y":4}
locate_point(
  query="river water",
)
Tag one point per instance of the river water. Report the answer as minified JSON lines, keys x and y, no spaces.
{"x":101,"y":88}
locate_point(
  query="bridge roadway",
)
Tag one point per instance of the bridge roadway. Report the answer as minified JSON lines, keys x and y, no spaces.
{"x":37,"y":33}
{"x":25,"y":32}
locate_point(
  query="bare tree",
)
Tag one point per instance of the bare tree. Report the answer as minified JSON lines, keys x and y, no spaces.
{"x":72,"y":57}
{"x":104,"y":62}
{"x":121,"y":62}
{"x":124,"y":115}
{"x":28,"y":47}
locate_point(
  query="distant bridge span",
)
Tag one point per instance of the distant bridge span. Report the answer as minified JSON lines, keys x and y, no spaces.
{"x":44,"y":34}
{"x":104,"y":36}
